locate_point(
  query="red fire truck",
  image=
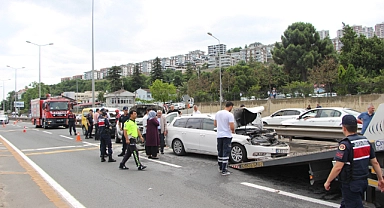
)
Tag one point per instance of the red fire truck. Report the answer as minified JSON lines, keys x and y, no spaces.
{"x":50,"y":111}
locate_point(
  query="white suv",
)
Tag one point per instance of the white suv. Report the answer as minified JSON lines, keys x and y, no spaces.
{"x":196,"y":134}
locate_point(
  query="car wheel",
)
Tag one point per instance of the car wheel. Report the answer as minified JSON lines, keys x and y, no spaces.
{"x":238,"y":153}
{"x":84,"y":130}
{"x":265,"y":123}
{"x":178,"y":147}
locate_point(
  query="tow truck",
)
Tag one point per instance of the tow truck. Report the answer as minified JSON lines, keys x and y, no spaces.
{"x":319,"y":154}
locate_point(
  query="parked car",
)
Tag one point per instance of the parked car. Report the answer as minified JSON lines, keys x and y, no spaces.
{"x":281,"y":115}
{"x":140,"y":110}
{"x":179,"y":106}
{"x":197,"y":134}
{"x":4,"y":118}
{"x":322,"y":117}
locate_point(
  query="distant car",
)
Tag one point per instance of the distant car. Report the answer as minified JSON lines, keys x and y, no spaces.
{"x":78,"y":117}
{"x":4,"y":118}
{"x":112,"y":120}
{"x":196,"y":134}
{"x":281,"y":115}
{"x":330,"y":117}
{"x":179,"y":106}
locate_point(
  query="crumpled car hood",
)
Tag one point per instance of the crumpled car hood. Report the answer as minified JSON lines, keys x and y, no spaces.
{"x":244,"y":116}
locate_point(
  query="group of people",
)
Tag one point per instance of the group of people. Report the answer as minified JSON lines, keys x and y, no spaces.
{"x":309,"y":106}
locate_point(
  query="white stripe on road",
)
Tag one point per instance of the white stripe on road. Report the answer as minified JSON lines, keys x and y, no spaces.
{"x":49,"y":148}
{"x":47,"y":132}
{"x":91,"y":144}
{"x":65,"y":137}
{"x":304,"y":198}
{"x":64,"y":193}
{"x":164,"y":163}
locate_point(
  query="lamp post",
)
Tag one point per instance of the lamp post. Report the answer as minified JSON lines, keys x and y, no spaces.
{"x":221,"y":95}
{"x":14,"y":105}
{"x":93,"y":63}
{"x":4,"y":93}
{"x":39,"y":62}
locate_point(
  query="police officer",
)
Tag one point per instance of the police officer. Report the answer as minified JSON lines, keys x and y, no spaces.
{"x":71,"y":122}
{"x":123,"y":118}
{"x":105,"y":138}
{"x":353,"y":156}
{"x":132,"y":132}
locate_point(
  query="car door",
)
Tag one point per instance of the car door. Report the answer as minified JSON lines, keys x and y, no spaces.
{"x":192,"y":133}
{"x":290,"y":114}
{"x":169,"y":117}
{"x":329,"y":117}
{"x":208,"y":137}
{"x":276,"y":118}
{"x":307,"y":119}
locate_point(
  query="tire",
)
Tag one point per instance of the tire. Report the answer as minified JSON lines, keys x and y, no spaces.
{"x":178,"y":147}
{"x":84,"y":130}
{"x":238,"y":153}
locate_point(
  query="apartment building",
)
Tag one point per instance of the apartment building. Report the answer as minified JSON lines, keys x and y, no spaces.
{"x":65,"y":79}
{"x":88,"y":75}
{"x":337,"y":45}
{"x":323,"y":34}
{"x":379,"y":30}
{"x":77,"y":77}
{"x":146,"y":67}
{"x":103,"y":73}
{"x":220,"y":48}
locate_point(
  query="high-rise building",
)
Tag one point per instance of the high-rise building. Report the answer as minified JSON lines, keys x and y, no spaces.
{"x":367,"y":32}
{"x":379,"y":30}
{"x":323,"y":34}
{"x":340,"y":33}
{"x":213,"y":49}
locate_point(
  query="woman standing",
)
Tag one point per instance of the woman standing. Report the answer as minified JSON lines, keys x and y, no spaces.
{"x":152,"y":137}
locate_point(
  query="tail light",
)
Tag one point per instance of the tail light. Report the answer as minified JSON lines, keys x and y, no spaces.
{"x":359,"y":121}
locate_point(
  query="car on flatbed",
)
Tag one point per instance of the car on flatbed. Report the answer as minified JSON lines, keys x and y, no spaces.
{"x":281,"y":115}
{"x":197,"y":134}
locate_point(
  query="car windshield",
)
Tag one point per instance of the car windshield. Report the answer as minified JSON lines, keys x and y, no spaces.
{"x":58,"y":106}
{"x":352,"y":112}
{"x":3,"y":117}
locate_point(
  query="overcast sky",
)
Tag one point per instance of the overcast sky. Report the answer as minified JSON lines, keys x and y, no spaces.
{"x":131,"y":31}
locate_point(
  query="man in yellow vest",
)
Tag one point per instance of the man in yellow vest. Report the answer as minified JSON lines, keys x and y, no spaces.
{"x":131,"y":133}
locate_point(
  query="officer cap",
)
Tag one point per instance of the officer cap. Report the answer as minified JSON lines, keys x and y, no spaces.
{"x":349,"y":120}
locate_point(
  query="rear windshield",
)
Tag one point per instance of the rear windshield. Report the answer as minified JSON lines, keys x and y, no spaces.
{"x":352,"y":112}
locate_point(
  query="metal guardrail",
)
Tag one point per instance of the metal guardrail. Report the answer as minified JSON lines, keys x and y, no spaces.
{"x":321,"y":132}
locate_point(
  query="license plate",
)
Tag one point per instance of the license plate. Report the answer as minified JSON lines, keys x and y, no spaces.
{"x":281,"y":151}
{"x":59,"y":120}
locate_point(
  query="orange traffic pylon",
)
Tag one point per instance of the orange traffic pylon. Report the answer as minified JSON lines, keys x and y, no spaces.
{"x":78,"y":139}
{"x":24,"y":130}
{"x":3,"y":124}
{"x":14,"y":122}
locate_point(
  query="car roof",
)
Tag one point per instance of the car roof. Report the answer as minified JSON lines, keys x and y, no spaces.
{"x":293,"y":109}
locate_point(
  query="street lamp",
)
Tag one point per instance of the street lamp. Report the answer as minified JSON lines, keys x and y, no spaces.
{"x":14,"y":105}
{"x":39,"y":62}
{"x":4,"y":93}
{"x":93,"y":62}
{"x":221,"y":95}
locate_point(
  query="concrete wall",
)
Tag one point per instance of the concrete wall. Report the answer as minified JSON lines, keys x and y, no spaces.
{"x":357,"y":102}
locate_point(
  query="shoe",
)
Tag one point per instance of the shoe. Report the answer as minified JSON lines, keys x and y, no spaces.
{"x":111,"y":160}
{"x":123,"y":167}
{"x":220,"y":171}
{"x":141,"y":167}
{"x":225,"y":173}
{"x":154,"y":158}
{"x":91,"y":137}
{"x":71,"y":134}
{"x":149,"y":157}
{"x":121,"y":155}
{"x":86,"y":137}
{"x":103,"y":159}
{"x":162,"y":153}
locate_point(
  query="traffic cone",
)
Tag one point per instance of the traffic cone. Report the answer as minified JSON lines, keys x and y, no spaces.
{"x":24,"y":130}
{"x":14,"y":122}
{"x":3,"y":124}
{"x":78,"y":139}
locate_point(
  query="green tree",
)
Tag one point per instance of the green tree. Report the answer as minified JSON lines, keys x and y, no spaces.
{"x":114,"y":78}
{"x":162,"y":91}
{"x":347,"y":80}
{"x":157,"y":71}
{"x":363,"y":53}
{"x":100,"y":97}
{"x":301,"y":49}
{"x":188,"y":73}
{"x":137,"y":79}
{"x":325,"y":73}
{"x":296,"y":88}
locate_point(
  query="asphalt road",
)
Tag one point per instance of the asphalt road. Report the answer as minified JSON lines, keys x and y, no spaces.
{"x":171,"y":181}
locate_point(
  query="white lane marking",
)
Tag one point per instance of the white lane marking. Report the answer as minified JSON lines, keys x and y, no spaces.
{"x":47,"y":132}
{"x":64,"y":193}
{"x":304,"y":198}
{"x":161,"y":162}
{"x":91,"y":144}
{"x":48,"y":148}
{"x":65,"y":137}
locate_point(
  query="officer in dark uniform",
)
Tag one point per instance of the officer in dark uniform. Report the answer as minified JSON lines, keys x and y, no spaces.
{"x":71,"y":122}
{"x":353,"y":156}
{"x":105,"y":138}
{"x":123,"y":118}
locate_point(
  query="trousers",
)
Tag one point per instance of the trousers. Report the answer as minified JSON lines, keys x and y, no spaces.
{"x":224,"y":150}
{"x":131,"y":150}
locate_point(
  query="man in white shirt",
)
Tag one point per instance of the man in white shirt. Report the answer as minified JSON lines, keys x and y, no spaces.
{"x":195,"y":110}
{"x":225,"y":123}
{"x":145,"y":120}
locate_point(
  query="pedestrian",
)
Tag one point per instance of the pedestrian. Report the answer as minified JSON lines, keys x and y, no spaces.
{"x":145,"y":119}
{"x":366,"y":117}
{"x":225,"y":123}
{"x":318,"y":105}
{"x":242,"y":106}
{"x":195,"y":111}
{"x":96,"y":120}
{"x":173,"y":110}
{"x":90,"y":125}
{"x":274,"y":92}
{"x":353,"y":157}
{"x":105,"y":137}
{"x":163,"y":131}
{"x":71,"y":122}
{"x":309,"y":107}
{"x":117,"y":117}
{"x":108,"y":116}
{"x":123,"y":118}
{"x":152,"y":142}
{"x":132,"y":132}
